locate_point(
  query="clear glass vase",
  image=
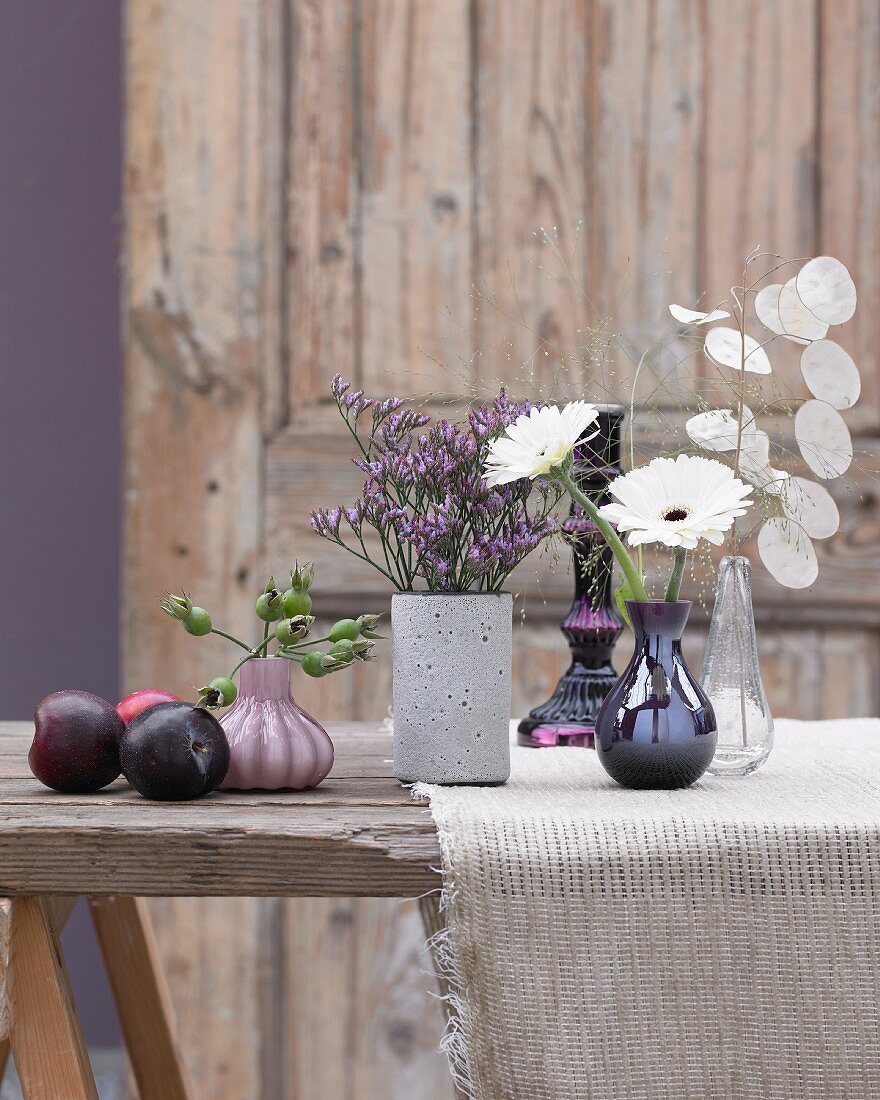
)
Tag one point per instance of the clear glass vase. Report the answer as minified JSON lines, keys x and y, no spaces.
{"x":732,"y":676}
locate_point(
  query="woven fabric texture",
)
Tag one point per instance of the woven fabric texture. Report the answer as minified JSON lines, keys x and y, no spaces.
{"x":721,"y":941}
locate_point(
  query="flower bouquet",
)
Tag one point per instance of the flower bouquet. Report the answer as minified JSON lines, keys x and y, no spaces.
{"x":738,"y":410}
{"x":656,"y":727}
{"x":446,"y":540}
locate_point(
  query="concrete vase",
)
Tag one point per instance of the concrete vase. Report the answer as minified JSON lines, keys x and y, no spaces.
{"x":452,"y":669}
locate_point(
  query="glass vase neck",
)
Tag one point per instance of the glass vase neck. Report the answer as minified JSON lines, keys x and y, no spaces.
{"x":658,"y":617}
{"x":265,"y":678}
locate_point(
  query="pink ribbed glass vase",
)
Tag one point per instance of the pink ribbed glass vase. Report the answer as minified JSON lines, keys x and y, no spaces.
{"x":274,"y":744}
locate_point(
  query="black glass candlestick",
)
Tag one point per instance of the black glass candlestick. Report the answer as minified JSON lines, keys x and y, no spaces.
{"x":593,"y":624}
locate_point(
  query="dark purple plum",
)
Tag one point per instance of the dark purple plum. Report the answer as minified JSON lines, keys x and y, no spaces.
{"x":76,"y":742}
{"x":173,"y":752}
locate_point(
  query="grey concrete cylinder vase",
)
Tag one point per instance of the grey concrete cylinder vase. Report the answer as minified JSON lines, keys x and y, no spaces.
{"x":452,"y":654}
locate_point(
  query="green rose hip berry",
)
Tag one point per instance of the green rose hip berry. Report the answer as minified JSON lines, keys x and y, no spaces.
{"x":226,"y":688}
{"x":345,"y":629}
{"x":313,"y":665}
{"x":343,"y":650}
{"x":198,"y":622}
{"x":221,"y":692}
{"x":293,"y":630}
{"x":296,"y":603}
{"x":268,"y":606}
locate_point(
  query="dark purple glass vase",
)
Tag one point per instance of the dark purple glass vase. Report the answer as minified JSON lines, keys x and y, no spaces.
{"x":592,"y":624}
{"x":656,"y":728}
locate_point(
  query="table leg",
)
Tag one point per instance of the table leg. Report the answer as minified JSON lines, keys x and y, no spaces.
{"x":142,"y":998}
{"x":46,"y":1038}
{"x":4,"y":1056}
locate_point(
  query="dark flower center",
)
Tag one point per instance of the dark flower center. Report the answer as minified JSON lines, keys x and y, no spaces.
{"x":675,"y":515}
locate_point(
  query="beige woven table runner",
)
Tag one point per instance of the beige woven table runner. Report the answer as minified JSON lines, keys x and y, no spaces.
{"x":722,"y":941}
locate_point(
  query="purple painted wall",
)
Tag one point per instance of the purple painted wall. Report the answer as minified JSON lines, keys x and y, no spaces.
{"x":60,"y":362}
{"x":60,"y":374}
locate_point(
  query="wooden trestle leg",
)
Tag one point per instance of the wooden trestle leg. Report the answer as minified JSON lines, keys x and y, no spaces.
{"x":45,"y":1034}
{"x":142,"y":998}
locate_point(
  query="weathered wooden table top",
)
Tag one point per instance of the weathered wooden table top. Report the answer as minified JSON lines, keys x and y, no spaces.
{"x":359,"y":833}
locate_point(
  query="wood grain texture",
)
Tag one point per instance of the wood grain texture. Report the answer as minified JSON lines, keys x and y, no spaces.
{"x":384,"y":1042}
{"x":321,"y":311}
{"x":5,"y":940}
{"x":647,"y":103}
{"x":849,"y":171}
{"x":142,"y":998}
{"x":416,"y":175}
{"x":200,"y":244}
{"x":849,"y":565}
{"x":46,"y":1038}
{"x":315,"y":186}
{"x":212,"y":951}
{"x":205,"y":210}
{"x":760,"y":187}
{"x":532,"y":176}
{"x":352,"y":835}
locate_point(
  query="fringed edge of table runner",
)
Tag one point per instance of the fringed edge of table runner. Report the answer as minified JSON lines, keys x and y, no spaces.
{"x":437,"y":907}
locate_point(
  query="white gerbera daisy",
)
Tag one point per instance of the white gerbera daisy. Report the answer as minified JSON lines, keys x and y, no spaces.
{"x":537,"y":442}
{"x":677,"y":501}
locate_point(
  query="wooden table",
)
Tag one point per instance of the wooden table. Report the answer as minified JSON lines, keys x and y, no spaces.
{"x":359,"y":833}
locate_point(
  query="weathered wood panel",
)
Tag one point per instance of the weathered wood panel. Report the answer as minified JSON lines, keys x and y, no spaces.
{"x":298,"y":470}
{"x":810,"y":673}
{"x":196,"y":255}
{"x":530,"y":156}
{"x":647,"y":104}
{"x":203,"y":197}
{"x":143,"y":1002}
{"x":849,"y":172}
{"x":760,"y":140}
{"x":315,"y":187}
{"x":319,"y":311}
{"x":414,"y":163}
{"x":367,"y":1026}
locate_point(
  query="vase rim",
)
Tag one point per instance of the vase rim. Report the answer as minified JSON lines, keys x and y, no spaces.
{"x":466,"y":592}
{"x":659,"y":617}
{"x":659,"y":603}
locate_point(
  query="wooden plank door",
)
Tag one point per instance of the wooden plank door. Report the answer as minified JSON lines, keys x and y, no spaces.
{"x":432,"y":197}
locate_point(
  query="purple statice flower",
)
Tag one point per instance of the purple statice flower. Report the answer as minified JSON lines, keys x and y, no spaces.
{"x":437,"y":522}
{"x":325,"y":522}
{"x":339,"y":388}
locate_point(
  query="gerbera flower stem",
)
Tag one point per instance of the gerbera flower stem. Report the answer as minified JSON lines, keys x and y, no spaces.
{"x":634,"y":579}
{"x":674,"y":586}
